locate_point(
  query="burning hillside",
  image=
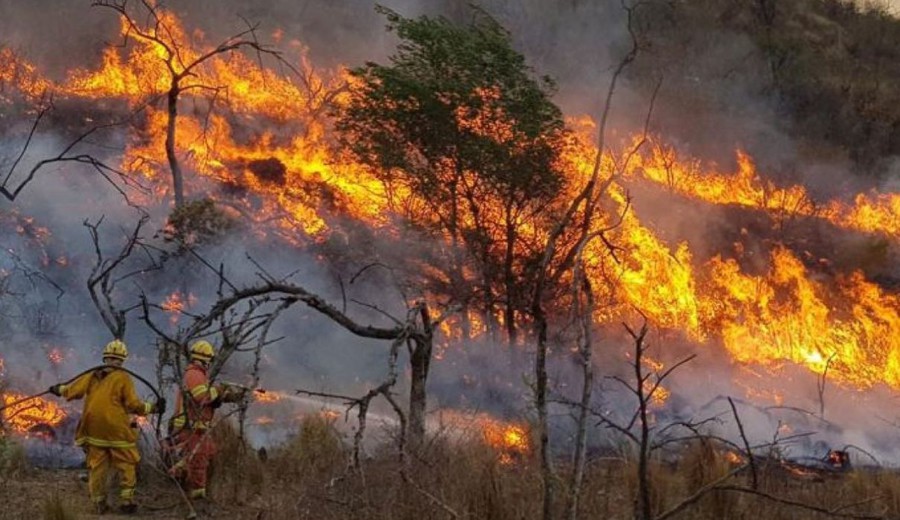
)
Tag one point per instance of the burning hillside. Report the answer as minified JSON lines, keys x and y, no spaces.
{"x":448,"y":197}
{"x":419,"y":254}
{"x":284,"y":168}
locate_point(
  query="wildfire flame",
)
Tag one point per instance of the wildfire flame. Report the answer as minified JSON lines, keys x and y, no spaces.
{"x":267,"y":396}
{"x":849,"y":326}
{"x":176,"y":303}
{"x":511,"y":440}
{"x":870,"y":212}
{"x":26,"y":415}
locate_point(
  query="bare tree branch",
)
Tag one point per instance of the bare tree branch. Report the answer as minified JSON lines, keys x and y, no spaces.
{"x":737,"y":419}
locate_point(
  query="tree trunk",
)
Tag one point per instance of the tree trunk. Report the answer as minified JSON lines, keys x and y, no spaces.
{"x":509,"y":279}
{"x":643,"y":510}
{"x":540,"y":401}
{"x":587,"y":369}
{"x":174,"y":166}
{"x":420,"y":362}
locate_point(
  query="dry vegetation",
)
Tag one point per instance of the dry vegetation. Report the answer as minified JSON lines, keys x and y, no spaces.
{"x":307,"y":478}
{"x":830,"y":68}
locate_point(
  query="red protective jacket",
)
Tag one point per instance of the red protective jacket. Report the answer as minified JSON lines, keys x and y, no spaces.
{"x":196,"y":411}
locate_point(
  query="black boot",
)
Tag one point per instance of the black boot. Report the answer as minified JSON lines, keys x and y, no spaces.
{"x":128,"y":509}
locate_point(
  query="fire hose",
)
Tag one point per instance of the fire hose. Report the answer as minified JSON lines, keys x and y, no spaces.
{"x":70,"y":381}
{"x":191,"y":512}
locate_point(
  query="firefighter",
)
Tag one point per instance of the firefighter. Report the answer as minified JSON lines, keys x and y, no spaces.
{"x":105,"y":429}
{"x":195,"y":407}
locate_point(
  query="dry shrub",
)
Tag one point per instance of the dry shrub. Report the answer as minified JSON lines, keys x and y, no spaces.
{"x":475,"y":479}
{"x":317,"y":447}
{"x":700,"y":464}
{"x":55,"y":508}
{"x":663,"y":482}
{"x":12,"y":458}
{"x":886,"y":485}
{"x":307,"y":478}
{"x":236,"y":474}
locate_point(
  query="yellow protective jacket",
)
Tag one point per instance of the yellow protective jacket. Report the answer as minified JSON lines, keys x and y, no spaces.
{"x":109,"y":401}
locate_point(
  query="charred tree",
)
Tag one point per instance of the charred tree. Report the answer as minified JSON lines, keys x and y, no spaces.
{"x":108,"y":272}
{"x":184,"y":74}
{"x":420,"y":362}
{"x":557,"y":258}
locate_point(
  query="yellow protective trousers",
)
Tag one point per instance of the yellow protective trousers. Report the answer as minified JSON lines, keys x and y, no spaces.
{"x":122,"y":460}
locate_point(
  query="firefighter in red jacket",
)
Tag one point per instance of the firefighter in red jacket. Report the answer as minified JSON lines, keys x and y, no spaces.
{"x":104,"y":430}
{"x":193,"y":417}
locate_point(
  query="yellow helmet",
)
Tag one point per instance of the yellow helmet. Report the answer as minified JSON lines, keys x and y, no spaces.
{"x":203,"y":351}
{"x":116,"y":349}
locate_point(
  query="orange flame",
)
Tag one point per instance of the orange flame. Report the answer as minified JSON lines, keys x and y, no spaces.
{"x":267,"y":397}
{"x":511,"y":440}
{"x":870,"y":213}
{"x":295,"y":177}
{"x":30,"y":413}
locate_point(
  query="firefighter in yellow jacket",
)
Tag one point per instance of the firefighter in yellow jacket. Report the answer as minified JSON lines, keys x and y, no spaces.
{"x":105,"y":430}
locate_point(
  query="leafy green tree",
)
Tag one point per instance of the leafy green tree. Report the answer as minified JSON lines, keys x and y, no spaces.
{"x":467,"y":141}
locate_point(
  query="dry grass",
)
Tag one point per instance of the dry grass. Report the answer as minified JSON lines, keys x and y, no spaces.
{"x":308,"y":478}
{"x":56,"y":508}
{"x":237,"y":470}
{"x":12,"y":459}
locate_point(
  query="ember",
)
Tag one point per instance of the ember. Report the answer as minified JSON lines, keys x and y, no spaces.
{"x":838,"y":459}
{"x":55,"y":356}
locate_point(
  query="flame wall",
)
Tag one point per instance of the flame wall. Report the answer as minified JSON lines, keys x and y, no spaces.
{"x":263,"y":145}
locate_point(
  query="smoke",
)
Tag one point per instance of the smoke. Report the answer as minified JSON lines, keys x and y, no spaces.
{"x":713,"y":99}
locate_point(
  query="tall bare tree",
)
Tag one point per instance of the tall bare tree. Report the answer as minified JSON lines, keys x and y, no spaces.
{"x":148,"y":24}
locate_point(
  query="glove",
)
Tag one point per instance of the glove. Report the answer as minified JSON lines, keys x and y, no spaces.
{"x":160,"y":407}
{"x":217,"y":402}
{"x":56,"y":390}
{"x":233,"y":394}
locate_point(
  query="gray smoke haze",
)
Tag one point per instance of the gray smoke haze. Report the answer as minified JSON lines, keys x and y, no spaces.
{"x":577,"y":43}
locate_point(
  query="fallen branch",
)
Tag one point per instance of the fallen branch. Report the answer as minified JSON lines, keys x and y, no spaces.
{"x":834,"y":512}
